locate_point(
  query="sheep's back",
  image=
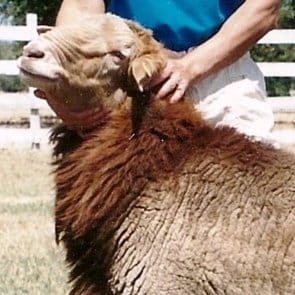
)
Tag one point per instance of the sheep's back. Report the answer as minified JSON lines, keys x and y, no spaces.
{"x":204,"y":211}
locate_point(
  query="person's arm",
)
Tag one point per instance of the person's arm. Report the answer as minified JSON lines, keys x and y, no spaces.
{"x":72,"y":10}
{"x":239,"y":33}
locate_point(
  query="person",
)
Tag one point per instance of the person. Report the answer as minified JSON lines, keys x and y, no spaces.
{"x":209,"y":43}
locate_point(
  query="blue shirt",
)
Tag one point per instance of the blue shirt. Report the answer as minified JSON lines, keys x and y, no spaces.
{"x":178,"y":24}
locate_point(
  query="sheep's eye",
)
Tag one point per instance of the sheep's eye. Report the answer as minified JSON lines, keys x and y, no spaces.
{"x":118,"y":54}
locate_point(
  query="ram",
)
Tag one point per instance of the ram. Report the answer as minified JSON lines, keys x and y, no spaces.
{"x":152,"y":200}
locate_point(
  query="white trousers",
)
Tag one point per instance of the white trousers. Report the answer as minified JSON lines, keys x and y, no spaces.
{"x":235,"y":96}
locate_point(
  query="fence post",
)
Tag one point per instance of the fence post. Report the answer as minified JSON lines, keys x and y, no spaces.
{"x":35,"y":123}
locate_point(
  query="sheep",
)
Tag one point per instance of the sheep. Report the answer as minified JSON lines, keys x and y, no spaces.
{"x":154,"y":200}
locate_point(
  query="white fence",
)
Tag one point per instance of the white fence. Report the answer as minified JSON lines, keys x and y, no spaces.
{"x":9,"y":67}
{"x":278,"y":69}
{"x":29,"y":32}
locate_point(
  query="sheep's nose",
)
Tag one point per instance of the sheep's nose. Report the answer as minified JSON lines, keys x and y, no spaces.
{"x":36,"y":53}
{"x":33,"y":50}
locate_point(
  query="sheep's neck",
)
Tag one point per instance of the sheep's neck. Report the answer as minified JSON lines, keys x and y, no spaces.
{"x":103,"y":176}
{"x":101,"y":183}
{"x":100,"y":179}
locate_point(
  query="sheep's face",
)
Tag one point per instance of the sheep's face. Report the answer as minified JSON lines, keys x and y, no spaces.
{"x":83,"y":65}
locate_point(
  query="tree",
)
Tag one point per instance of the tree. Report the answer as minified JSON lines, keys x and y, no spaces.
{"x":287,"y":14}
{"x":46,"y":10}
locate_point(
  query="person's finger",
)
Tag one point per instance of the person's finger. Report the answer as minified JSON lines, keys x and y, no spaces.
{"x":40,"y":94}
{"x":179,"y":91}
{"x":165,"y":89}
{"x":164,"y":75}
{"x":177,"y":95}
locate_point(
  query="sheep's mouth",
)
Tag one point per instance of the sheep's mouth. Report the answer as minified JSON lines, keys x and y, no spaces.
{"x":33,"y":71}
{"x":24,"y":74}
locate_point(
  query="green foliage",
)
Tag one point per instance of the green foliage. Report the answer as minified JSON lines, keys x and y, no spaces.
{"x":11,"y":84}
{"x":278,"y":53}
{"x":278,"y":86}
{"x":11,"y":50}
{"x":287,"y":14}
{"x":46,"y":10}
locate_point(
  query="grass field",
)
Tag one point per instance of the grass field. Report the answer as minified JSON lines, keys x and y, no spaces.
{"x":30,"y":261}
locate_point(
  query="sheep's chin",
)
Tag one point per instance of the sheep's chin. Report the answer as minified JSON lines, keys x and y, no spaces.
{"x":36,"y":81}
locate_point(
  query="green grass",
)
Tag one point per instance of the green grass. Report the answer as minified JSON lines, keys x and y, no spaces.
{"x":30,"y":261}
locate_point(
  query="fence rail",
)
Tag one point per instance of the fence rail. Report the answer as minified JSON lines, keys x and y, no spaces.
{"x":29,"y":32}
{"x":9,"y":67}
{"x":278,"y":37}
{"x":269,"y":69}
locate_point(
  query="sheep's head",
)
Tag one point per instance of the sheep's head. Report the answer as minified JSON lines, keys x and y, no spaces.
{"x":87,"y":64}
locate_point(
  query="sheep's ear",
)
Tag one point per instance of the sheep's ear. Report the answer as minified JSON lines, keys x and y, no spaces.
{"x":43,"y":29}
{"x":144,"y":68}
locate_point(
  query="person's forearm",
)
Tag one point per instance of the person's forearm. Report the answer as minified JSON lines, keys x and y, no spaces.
{"x":238,"y":34}
{"x":73,"y":10}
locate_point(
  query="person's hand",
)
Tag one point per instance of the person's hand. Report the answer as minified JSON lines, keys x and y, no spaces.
{"x":174,"y":80}
{"x":76,"y":120}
